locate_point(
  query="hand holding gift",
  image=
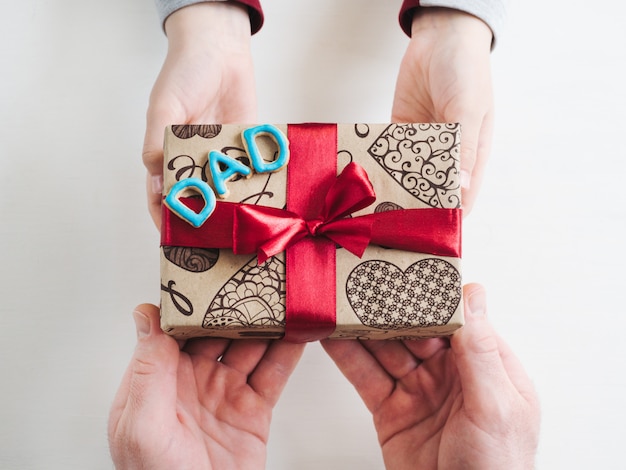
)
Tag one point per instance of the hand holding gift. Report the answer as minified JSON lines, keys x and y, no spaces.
{"x":462,"y":403}
{"x":458,"y":402}
{"x":465,"y":402}
{"x":207,"y":77}
{"x":445,"y":76}
{"x":207,"y":404}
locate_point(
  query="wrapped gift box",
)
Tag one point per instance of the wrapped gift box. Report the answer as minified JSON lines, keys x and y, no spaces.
{"x":357,"y":235}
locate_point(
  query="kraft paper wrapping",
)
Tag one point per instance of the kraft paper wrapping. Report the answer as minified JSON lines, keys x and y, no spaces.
{"x":386,"y":294}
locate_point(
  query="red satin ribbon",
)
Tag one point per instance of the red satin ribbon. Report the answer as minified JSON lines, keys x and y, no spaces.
{"x":308,"y":230}
{"x":268,"y":231}
{"x":433,"y":231}
{"x":310,"y":264}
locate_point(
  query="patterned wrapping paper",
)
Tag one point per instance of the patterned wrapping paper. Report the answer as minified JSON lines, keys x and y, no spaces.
{"x":385,"y":294}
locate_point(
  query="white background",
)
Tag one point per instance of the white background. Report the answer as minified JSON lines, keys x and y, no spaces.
{"x":78,"y":250}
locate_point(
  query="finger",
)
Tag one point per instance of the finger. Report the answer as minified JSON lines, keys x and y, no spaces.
{"x":205,"y":355}
{"x":424,"y":349}
{"x":411,"y":361}
{"x":157,"y":119}
{"x":474,"y":167}
{"x":470,"y":130}
{"x":362,"y":370}
{"x":155,"y":362}
{"x":516,"y":372}
{"x":244,"y":355}
{"x":484,"y":379}
{"x":155,"y":199}
{"x":207,"y":349}
{"x":274,"y":369}
{"x":149,"y":385}
{"x":393,"y":356}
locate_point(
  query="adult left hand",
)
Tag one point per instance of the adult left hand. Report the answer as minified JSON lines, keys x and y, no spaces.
{"x":205,"y":406}
{"x":207,"y":78}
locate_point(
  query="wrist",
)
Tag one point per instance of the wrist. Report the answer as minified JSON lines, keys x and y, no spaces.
{"x":223,"y":25}
{"x":434,"y":22}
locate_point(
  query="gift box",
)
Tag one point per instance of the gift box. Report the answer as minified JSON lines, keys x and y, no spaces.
{"x":309,"y":231}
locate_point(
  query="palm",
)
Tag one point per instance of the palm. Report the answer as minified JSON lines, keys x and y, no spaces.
{"x":424,"y":419}
{"x":218,"y":420}
{"x":207,"y":78}
{"x":432,"y":417}
{"x":206,"y":89}
{"x":422,"y":92}
{"x":196,"y":90}
{"x":207,"y":405}
{"x":418,"y":413}
{"x":417,"y":404}
{"x":458,"y":402}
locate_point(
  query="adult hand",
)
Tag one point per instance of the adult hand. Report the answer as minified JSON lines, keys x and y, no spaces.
{"x":207,"y":405}
{"x":207,"y":78}
{"x":445,"y":76}
{"x":462,"y":403}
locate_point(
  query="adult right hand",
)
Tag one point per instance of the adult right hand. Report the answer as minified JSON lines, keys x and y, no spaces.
{"x":207,"y":78}
{"x":463,"y":403}
{"x":445,"y":76}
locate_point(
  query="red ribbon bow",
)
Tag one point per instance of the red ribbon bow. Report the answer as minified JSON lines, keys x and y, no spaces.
{"x":269,"y":231}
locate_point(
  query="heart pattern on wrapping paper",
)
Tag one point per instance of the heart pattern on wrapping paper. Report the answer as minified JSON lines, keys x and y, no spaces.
{"x":424,"y":166}
{"x":385,"y":297}
{"x":253,"y":297}
{"x":187,"y":131}
{"x":195,"y":260}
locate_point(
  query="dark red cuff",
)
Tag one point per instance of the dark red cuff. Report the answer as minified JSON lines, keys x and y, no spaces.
{"x":406,"y":15}
{"x":256,"y":14}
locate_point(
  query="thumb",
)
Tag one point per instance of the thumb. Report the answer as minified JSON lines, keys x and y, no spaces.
{"x":477,"y":355}
{"x":157,"y":119}
{"x":146,"y":398}
{"x":476,"y":136}
{"x":153,"y":368}
{"x":152,"y":156}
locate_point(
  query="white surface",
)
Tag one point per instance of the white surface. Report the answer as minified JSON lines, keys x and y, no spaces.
{"x":78,"y":251}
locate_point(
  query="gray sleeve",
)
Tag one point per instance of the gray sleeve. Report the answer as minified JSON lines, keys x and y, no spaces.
{"x":166,"y":7}
{"x":492,"y":12}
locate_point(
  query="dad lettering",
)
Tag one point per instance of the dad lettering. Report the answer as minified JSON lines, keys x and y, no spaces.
{"x":224,"y":168}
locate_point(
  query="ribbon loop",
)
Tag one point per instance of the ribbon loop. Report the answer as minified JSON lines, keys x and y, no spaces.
{"x":350,"y":192}
{"x":268,"y":231}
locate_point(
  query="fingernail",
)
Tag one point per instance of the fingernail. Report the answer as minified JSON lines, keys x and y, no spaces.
{"x":142,"y":323}
{"x":157,"y":184}
{"x":477,"y":303}
{"x":465,"y":179}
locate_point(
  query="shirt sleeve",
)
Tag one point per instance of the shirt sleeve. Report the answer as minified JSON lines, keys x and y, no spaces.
{"x":492,"y":12}
{"x":166,"y":7}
